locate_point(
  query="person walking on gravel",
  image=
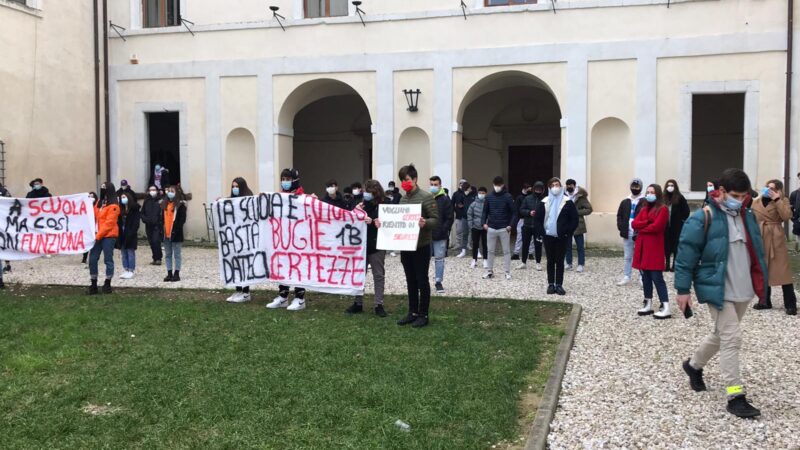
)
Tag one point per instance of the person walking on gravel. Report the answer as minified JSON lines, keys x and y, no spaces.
{"x":722,"y":254}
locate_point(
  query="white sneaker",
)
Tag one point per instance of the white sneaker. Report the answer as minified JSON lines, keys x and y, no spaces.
{"x":297,"y":305}
{"x":647,"y":309}
{"x":488,"y":275}
{"x":278,"y":302}
{"x":579,"y":269}
{"x":233,"y":297}
{"x":473,"y":264}
{"x":479,"y":254}
{"x":624,"y":281}
{"x":521,"y":266}
{"x":462,"y":254}
{"x":538,"y":267}
{"x":568,"y":267}
{"x":664,"y":312}
{"x":126,"y":275}
{"x":239,"y":297}
{"x":508,"y":275}
{"x":392,"y":254}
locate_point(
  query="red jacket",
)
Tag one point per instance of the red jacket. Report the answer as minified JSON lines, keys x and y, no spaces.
{"x":648,"y":254}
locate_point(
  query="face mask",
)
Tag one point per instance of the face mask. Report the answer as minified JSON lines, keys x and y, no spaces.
{"x":153,"y":194}
{"x":732,"y":204}
{"x":765,"y":192}
{"x":330,"y":190}
{"x":391,"y":187}
{"x":498,"y":189}
{"x":555,"y":190}
{"x":538,"y":192}
{"x":651,"y":198}
{"x":368,"y":197}
{"x":286,"y":185}
{"x":636,"y":191}
{"x":36,"y":187}
{"x":171,"y":195}
{"x":481,"y":196}
{"x":524,"y":192}
{"x":124,"y":200}
{"x":670,"y":189}
{"x":158,"y":168}
{"x":356,"y":192}
{"x":407,"y":186}
{"x":709,"y":188}
{"x":570,"y":190}
{"x":235,"y":191}
{"x":434,"y":189}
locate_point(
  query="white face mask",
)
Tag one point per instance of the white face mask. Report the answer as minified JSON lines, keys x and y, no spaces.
{"x":330,"y":190}
{"x":481,"y":196}
{"x":670,"y":189}
{"x":555,"y":190}
{"x":356,"y":191}
{"x":498,"y":189}
{"x":153,"y":194}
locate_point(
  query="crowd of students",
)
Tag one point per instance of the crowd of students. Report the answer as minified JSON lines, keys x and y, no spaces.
{"x":731,"y":250}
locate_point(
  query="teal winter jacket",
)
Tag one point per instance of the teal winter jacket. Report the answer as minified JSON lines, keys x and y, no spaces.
{"x":702,"y":257}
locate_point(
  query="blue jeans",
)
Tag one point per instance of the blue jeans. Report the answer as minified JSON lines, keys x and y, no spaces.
{"x":580,"y":243}
{"x":654,"y":277}
{"x":439,"y":252}
{"x":106,"y":247}
{"x":628,"y":245}
{"x":173,"y":250}
{"x":129,"y":259}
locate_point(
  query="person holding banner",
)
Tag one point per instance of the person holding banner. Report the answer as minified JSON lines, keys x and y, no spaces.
{"x":85,"y":258}
{"x":107,"y":216}
{"x":174,"y":213}
{"x":290,"y":184}
{"x":333,"y":196}
{"x":239,"y":189}
{"x":128,"y":233}
{"x":373,"y":197}
{"x":417,"y":263}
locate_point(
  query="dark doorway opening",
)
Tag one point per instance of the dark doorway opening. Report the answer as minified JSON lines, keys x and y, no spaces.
{"x":163,"y":131}
{"x":717,"y":136}
{"x":529,"y":163}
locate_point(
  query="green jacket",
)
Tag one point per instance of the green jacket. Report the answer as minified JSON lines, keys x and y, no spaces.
{"x":702,"y":256}
{"x":429,"y":212}
{"x":584,"y":209}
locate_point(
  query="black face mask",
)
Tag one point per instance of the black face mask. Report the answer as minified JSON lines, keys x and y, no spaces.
{"x":539,"y":193}
{"x":636,"y":191}
{"x":570,"y":190}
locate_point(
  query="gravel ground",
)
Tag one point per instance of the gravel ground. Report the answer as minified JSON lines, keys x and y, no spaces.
{"x":624,"y":386}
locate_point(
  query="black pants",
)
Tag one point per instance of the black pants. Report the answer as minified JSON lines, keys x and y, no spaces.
{"x":529,"y":235}
{"x":555,"y":249}
{"x":479,"y":236}
{"x":283,"y":291}
{"x":416,"y":265}
{"x":154,"y":239}
{"x":789,"y":298}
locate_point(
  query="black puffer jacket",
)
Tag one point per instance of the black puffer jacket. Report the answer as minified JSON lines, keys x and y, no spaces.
{"x":445,"y":207}
{"x":151,"y":211}
{"x":128,"y":224}
{"x":371,"y":208}
{"x":529,"y":204}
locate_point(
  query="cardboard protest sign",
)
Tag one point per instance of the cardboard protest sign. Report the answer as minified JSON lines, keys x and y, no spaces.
{"x":399,"y":229}
{"x":294,"y":240}
{"x":30,"y":228}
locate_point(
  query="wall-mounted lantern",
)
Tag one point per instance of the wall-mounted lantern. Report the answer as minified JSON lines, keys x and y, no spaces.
{"x":412,"y":97}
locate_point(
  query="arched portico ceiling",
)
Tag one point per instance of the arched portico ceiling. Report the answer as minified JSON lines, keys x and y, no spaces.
{"x":500,"y":81}
{"x":310,"y":92}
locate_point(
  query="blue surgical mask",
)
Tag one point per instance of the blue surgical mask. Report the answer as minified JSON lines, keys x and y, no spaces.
{"x":651,"y":198}
{"x":158,"y":168}
{"x":235,"y":191}
{"x":368,"y":197}
{"x":732,"y":203}
{"x":434,"y":189}
{"x":36,"y":187}
{"x":124,"y":200}
{"x":481,"y":196}
{"x":286,"y":185}
{"x":765,"y":192}
{"x":171,"y":195}
{"x":709,"y":188}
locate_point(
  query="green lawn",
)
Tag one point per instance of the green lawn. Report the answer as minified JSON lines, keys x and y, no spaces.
{"x":182,"y":369}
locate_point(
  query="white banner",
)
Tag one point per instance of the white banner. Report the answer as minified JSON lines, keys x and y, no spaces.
{"x":35,"y":227}
{"x":399,"y":229}
{"x":294,"y":240}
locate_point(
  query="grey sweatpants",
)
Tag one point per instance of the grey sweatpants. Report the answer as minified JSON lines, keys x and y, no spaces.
{"x":377,"y":263}
{"x":505,"y":241}
{"x":726,"y":339}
